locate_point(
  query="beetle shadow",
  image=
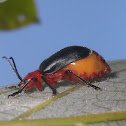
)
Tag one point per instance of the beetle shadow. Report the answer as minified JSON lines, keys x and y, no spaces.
{"x":114,"y":73}
{"x":111,"y":75}
{"x":64,"y":83}
{"x":108,"y":76}
{"x":57,"y":85}
{"x":70,"y":83}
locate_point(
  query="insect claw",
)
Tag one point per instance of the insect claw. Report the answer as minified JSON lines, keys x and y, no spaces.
{"x":10,"y":96}
{"x":54,"y":92}
{"x":98,"y":88}
{"x":15,"y":93}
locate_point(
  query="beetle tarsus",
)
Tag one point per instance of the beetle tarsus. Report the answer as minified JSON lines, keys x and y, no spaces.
{"x":54,"y":91}
{"x":96,"y":87}
{"x":12,"y":87}
{"x":15,"y":93}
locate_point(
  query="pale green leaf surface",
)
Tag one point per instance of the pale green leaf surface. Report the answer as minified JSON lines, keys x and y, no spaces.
{"x":1,"y":1}
{"x":17,"y":13}
{"x":109,"y":123}
{"x":80,"y":104}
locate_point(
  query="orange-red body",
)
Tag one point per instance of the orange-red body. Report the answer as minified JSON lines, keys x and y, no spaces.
{"x":89,"y":68}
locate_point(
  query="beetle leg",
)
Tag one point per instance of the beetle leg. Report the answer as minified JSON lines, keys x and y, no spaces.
{"x":22,"y":88}
{"x":86,"y":82}
{"x":52,"y":88}
{"x":15,"y":87}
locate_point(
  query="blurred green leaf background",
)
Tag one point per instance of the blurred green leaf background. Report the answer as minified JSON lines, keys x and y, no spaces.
{"x":17,"y":13}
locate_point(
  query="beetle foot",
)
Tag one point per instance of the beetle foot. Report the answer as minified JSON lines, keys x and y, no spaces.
{"x":54,"y":92}
{"x":15,"y":93}
{"x":11,"y":95}
{"x":97,"y":88}
{"x":12,"y":87}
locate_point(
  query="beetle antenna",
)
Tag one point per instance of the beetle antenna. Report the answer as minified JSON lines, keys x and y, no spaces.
{"x":14,"y":68}
{"x":16,"y":71}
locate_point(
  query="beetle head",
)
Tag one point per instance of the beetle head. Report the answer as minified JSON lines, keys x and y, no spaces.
{"x":35,"y":78}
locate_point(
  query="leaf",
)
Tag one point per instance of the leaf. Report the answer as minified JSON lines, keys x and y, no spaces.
{"x":1,"y":1}
{"x":17,"y":13}
{"x":76,"y":105}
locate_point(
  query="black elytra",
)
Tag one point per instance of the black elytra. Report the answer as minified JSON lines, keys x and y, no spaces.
{"x":62,"y":58}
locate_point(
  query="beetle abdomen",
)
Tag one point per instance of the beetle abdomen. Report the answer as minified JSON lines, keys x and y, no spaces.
{"x":62,"y":58}
{"x":89,"y":68}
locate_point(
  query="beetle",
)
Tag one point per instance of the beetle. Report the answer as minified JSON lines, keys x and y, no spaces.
{"x":73,"y":63}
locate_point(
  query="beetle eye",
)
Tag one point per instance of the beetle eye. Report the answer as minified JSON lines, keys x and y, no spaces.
{"x":25,"y":80}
